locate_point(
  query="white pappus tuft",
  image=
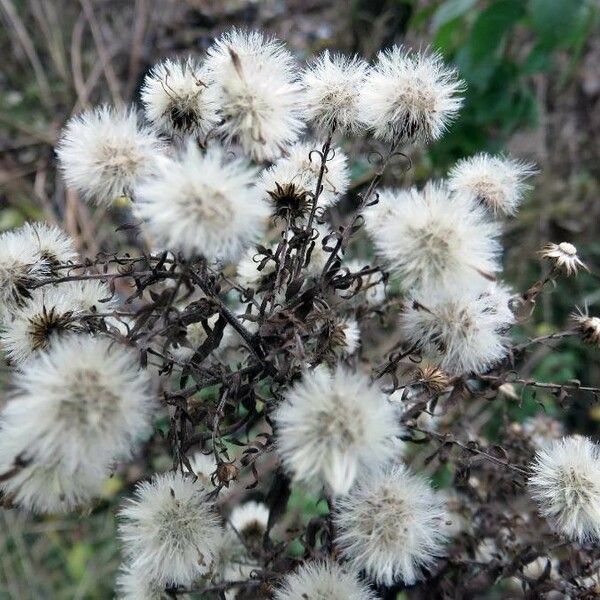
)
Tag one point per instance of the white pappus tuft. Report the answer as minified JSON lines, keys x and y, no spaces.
{"x":410,"y":95}
{"x":103,"y":152}
{"x":565,"y":482}
{"x":203,"y":204}
{"x":291,"y":182}
{"x":133,"y":584}
{"x":52,"y":245}
{"x":332,"y":424}
{"x":327,"y":580}
{"x":176,"y":99}
{"x":464,"y":330}
{"x":391,"y":525}
{"x":435,"y":241}
{"x":52,"y":310}
{"x":170,"y":529}
{"x":249,"y":521}
{"x":497,"y":182}
{"x":92,"y":406}
{"x":251,"y":80}
{"x":331,"y":92}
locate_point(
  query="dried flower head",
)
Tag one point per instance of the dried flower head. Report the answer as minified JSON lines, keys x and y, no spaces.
{"x":332,"y":424}
{"x":103,"y":153}
{"x":176,"y":100}
{"x":497,"y":182}
{"x":251,"y":81}
{"x":326,"y":580}
{"x":249,"y":521}
{"x":170,"y":529}
{"x":92,"y":405}
{"x":588,"y":327}
{"x":563,"y":257}
{"x":203,"y":204}
{"x":410,"y":95}
{"x":431,"y":378}
{"x":345,"y":336}
{"x":331,"y":86}
{"x":53,"y":246}
{"x":391,"y":526}
{"x":464,"y":330}
{"x":565,"y":482}
{"x":434,"y":241}
{"x":51,"y":311}
{"x":291,"y":182}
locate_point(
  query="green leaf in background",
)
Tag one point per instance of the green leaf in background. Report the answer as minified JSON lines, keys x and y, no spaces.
{"x":556,"y":21}
{"x":449,"y":10}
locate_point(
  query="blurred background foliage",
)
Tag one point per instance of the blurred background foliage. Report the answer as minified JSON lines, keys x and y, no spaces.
{"x":531,"y":67}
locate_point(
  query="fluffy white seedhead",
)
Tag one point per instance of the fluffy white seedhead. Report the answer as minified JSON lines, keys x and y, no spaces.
{"x":384,"y":210}
{"x":50,"y":312}
{"x":565,"y":483}
{"x":434,"y":241}
{"x":52,"y":245}
{"x":133,"y":584}
{"x":176,"y":98}
{"x":20,"y":270}
{"x":331,"y":92}
{"x":497,"y":182}
{"x":103,"y":152}
{"x":332,"y":424}
{"x":563,"y":257}
{"x":391,"y":525}
{"x":170,"y":529}
{"x":252,"y":82}
{"x":410,"y":95}
{"x":90,"y":400}
{"x":249,"y":522}
{"x":465,"y":331}
{"x":292,"y":181}
{"x":203,"y":204}
{"x":326,"y":580}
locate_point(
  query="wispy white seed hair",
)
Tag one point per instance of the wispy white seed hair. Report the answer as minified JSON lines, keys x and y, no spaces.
{"x":170,"y":529}
{"x":133,"y":584}
{"x":331,"y":425}
{"x":52,"y":244}
{"x":565,"y":483}
{"x":103,"y":152}
{"x":331,"y":92}
{"x":51,"y":311}
{"x":327,"y":580}
{"x":391,"y":525}
{"x":410,"y":95}
{"x":250,"y":519}
{"x":254,"y":270}
{"x":587,"y":326}
{"x":436,"y":241}
{"x":20,"y":269}
{"x":464,"y":330}
{"x":300,"y":168}
{"x":497,"y":182}
{"x":251,"y":78}
{"x":347,"y":336}
{"x":90,"y":400}
{"x":563,"y":257}
{"x":384,"y":210}
{"x":176,"y":100}
{"x":203,"y":204}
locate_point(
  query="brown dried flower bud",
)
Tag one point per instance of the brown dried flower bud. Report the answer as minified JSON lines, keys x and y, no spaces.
{"x":588,"y":327}
{"x":226,"y":472}
{"x":431,"y":378}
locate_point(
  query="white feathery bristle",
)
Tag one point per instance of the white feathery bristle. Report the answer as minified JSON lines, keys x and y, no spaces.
{"x":53,"y":245}
{"x":92,"y":406}
{"x":248,"y":273}
{"x":176,"y":99}
{"x":20,"y":270}
{"x":250,"y":521}
{"x":327,"y":580}
{"x":464,"y":330}
{"x":384,"y":210}
{"x":410,"y":95}
{"x":333,"y":424}
{"x":391,"y":525}
{"x":103,"y":152}
{"x":252,"y":82}
{"x":497,"y":182}
{"x":204,"y":466}
{"x":133,"y":584}
{"x":565,"y":482}
{"x":434,"y":241}
{"x":170,"y":529}
{"x":52,"y":310}
{"x":350,"y":333}
{"x":300,"y":168}
{"x":331,"y":92}
{"x":203,"y":204}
